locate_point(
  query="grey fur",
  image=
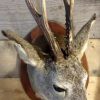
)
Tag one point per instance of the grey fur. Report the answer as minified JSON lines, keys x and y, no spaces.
{"x":60,"y":79}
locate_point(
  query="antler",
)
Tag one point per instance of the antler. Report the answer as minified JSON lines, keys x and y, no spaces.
{"x":69,"y":25}
{"x":43,"y":25}
{"x":67,"y":37}
{"x":71,"y":19}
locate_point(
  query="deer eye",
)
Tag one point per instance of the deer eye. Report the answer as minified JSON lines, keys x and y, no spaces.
{"x":58,"y":89}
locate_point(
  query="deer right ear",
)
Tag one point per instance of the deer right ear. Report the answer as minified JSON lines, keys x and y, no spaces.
{"x":81,"y":39}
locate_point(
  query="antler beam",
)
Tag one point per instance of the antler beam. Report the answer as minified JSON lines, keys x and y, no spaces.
{"x":69,"y":25}
{"x":43,"y":24}
{"x":67,"y":35}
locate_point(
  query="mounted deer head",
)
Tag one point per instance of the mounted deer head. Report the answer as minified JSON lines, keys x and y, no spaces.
{"x":57,"y":77}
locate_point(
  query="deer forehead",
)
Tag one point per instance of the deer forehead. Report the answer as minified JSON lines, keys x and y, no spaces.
{"x":70,"y":69}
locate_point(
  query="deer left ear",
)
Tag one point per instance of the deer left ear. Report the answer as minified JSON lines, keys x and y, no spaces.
{"x":22,"y":53}
{"x":80,"y":41}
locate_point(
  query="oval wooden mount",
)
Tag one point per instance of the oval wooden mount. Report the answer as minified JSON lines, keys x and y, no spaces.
{"x":33,"y":36}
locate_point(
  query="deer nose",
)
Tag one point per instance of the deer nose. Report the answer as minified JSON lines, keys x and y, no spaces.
{"x":58,"y":88}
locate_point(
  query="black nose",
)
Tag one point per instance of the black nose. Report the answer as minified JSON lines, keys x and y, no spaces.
{"x":58,"y":89}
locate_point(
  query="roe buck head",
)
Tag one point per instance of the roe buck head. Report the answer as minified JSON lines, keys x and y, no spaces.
{"x":59,"y":78}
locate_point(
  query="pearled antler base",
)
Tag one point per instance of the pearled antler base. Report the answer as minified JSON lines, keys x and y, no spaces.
{"x":36,"y":36}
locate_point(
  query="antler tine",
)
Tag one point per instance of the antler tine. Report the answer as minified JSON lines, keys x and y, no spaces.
{"x":49,"y":35}
{"x":67,"y":13}
{"x":43,"y":24}
{"x":71,"y":19}
{"x":67,"y":8}
{"x":33,"y":10}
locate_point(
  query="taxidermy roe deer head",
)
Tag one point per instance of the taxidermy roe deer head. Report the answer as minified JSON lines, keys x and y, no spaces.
{"x":58,"y":75}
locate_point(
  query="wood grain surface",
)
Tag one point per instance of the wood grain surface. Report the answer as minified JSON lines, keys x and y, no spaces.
{"x":15,"y":15}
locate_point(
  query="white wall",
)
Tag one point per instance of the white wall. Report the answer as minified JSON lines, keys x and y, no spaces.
{"x":15,"y":15}
{"x":9,"y":62}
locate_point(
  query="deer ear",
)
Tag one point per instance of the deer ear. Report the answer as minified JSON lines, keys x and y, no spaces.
{"x":23,"y":55}
{"x":25,"y":50}
{"x":81,"y":39}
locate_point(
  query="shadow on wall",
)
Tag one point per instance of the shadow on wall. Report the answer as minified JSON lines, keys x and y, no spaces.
{"x":9,"y":61}
{"x":93,"y":57}
{"x":97,"y":94}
